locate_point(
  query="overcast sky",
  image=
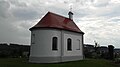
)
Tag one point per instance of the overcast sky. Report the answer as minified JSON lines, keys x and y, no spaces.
{"x":99,"y":19}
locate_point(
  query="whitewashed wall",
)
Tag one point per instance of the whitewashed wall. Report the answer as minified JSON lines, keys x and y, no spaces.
{"x":76,"y":44}
{"x":43,"y":43}
{"x":41,"y":46}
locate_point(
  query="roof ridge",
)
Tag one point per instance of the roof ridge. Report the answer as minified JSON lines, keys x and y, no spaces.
{"x":59,"y":15}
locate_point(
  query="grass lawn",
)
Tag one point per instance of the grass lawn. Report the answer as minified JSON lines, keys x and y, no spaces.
{"x":21,"y":62}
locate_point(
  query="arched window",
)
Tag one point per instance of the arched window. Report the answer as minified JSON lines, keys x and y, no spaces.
{"x":69,"y":44}
{"x":54,"y":43}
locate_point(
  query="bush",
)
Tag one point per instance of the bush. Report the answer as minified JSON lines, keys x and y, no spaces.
{"x":117,"y":60}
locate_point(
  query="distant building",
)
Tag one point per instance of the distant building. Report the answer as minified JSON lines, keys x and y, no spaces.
{"x":56,"y":39}
{"x":89,"y":48}
{"x":117,"y":52}
{"x":103,"y":49}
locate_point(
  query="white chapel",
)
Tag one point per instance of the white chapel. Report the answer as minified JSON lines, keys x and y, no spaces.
{"x":56,"y":38}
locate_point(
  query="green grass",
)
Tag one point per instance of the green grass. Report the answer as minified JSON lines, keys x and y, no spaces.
{"x":17,"y":62}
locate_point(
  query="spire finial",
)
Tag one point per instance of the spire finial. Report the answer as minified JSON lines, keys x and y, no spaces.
{"x":71,"y":8}
{"x":70,"y":12}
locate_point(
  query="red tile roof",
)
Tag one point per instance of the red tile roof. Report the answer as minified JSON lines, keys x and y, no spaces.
{"x":52,"y":20}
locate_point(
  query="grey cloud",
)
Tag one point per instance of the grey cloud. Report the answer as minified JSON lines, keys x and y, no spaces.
{"x":106,"y":33}
{"x":8,"y":33}
{"x":115,"y":20}
{"x":11,"y":33}
{"x":25,"y":14}
{"x":57,"y":10}
{"x":16,"y":17}
{"x":101,"y":3}
{"x":17,"y":3}
{"x":8,"y":26}
{"x":113,"y":11}
{"x":21,"y":11}
{"x":81,"y":13}
{"x":4,"y":7}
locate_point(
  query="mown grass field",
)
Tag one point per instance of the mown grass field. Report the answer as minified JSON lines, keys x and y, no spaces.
{"x":21,"y":62}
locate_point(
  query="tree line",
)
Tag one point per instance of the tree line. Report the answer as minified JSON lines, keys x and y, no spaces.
{"x":14,"y":50}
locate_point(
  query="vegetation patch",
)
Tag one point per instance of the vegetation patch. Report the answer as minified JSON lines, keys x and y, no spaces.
{"x":23,"y":62}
